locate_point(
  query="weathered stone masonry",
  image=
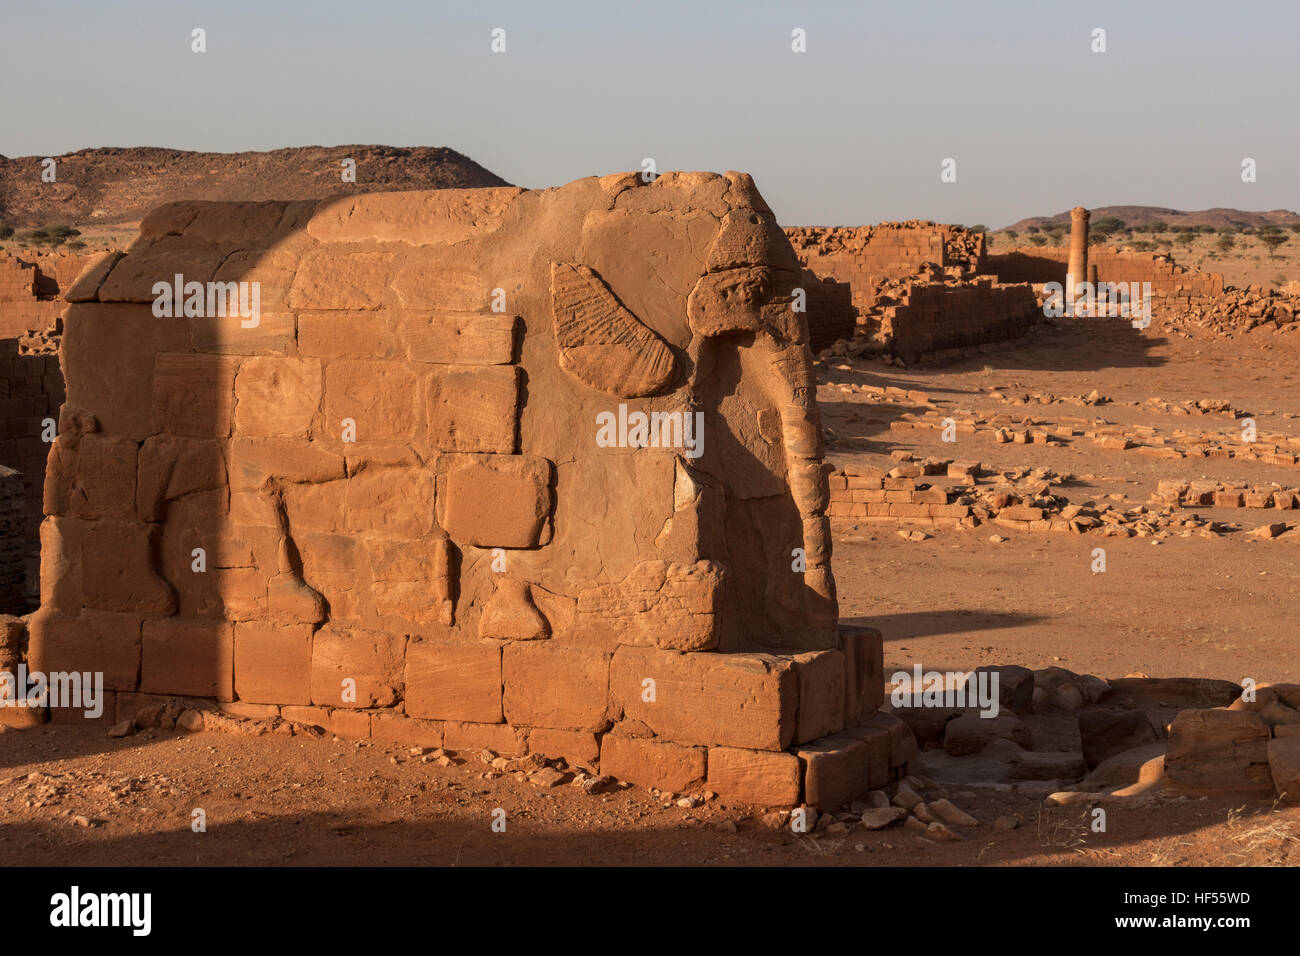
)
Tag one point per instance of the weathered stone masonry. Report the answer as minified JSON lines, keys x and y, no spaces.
{"x":478,"y":567}
{"x":917,"y":288}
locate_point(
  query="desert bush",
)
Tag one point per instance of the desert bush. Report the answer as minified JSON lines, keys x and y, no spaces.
{"x":1273,"y":239}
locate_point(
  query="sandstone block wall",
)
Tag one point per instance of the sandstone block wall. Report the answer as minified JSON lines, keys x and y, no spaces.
{"x":934,"y":319}
{"x":888,"y":250}
{"x":31,"y":392}
{"x":831,"y":313}
{"x":394,"y":485}
{"x":1048,"y":264}
{"x":893,"y":271}
{"x":13,"y":554}
{"x":29,"y":290}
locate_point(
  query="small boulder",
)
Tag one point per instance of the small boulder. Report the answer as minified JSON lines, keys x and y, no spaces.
{"x":877,"y":818}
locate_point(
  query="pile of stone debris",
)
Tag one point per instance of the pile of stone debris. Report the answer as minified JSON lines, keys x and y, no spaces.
{"x":1075,"y":738}
{"x":1239,"y":310}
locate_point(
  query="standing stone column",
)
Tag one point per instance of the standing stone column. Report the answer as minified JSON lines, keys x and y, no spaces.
{"x":1077,"y":270}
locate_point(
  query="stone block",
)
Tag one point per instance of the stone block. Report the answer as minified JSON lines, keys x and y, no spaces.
{"x":273,"y":662}
{"x":556,"y":686}
{"x":371,"y":660}
{"x":759,"y":777}
{"x":707,"y":699}
{"x":194,"y":658}
{"x":454,"y":680}
{"x":492,"y":501}
{"x":277,"y":397}
{"x":834,"y":771}
{"x":647,"y":762}
{"x":474,"y":409}
{"x":821,"y":677}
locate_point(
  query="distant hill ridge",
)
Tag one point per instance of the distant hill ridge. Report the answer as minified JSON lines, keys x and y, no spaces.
{"x":118,"y":185}
{"x":1218,"y":217}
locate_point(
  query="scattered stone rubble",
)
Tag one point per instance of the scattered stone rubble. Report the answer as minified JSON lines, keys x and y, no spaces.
{"x":1020,"y":500}
{"x":1270,"y":448}
{"x":1071,"y":738}
{"x":1239,"y":310}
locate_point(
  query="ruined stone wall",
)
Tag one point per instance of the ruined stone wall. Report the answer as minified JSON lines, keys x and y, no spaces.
{"x":936,"y":320}
{"x":29,"y":290}
{"x":395,"y":484}
{"x":893,"y":270}
{"x":831,"y":314}
{"x":12,"y":551}
{"x":31,"y":393}
{"x":888,"y":250}
{"x":1048,"y":264}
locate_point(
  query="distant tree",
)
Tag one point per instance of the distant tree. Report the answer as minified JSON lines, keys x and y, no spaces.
{"x":978,"y":227}
{"x":1038,"y":239}
{"x":1294,"y":227}
{"x":76,"y":245}
{"x":6,"y":232}
{"x":1012,"y":235}
{"x":1186,"y":236}
{"x":1143,"y":245}
{"x":1033,"y":230}
{"x":1273,"y":238}
{"x":1226,"y":242}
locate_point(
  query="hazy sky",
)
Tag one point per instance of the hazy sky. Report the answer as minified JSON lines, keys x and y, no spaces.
{"x":852,"y":131}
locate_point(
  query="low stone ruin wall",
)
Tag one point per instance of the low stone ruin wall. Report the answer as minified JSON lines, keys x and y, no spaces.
{"x":1168,"y":280}
{"x":831,"y":314}
{"x":938,"y":320}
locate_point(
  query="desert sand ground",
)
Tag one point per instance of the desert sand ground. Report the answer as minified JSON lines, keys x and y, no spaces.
{"x":70,"y":796}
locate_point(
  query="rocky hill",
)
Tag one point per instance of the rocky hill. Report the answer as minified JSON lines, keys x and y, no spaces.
{"x":116,"y":185}
{"x":1219,"y":218}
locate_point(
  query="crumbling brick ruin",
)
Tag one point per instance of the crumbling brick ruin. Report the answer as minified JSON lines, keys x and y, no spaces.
{"x":31,"y":392}
{"x":917,"y":288}
{"x":1172,"y":286}
{"x":30,"y":290}
{"x":416,"y":498}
